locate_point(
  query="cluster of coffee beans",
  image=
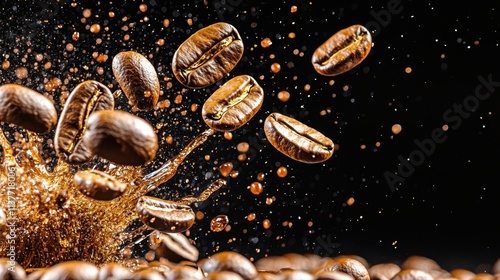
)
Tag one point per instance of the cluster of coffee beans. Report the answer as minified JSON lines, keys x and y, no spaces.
{"x":230,"y":265}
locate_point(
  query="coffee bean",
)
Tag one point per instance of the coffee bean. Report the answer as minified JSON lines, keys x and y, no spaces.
{"x":184,"y":272}
{"x":121,"y":137}
{"x":10,"y":269}
{"x":86,"y":98}
{"x":71,"y":270}
{"x":294,"y":275}
{"x":27,"y":108}
{"x":233,"y":104}
{"x":273,"y":263}
{"x":229,"y":261}
{"x":343,"y":51}
{"x":348,"y":265}
{"x":412,"y":274}
{"x":462,"y":274}
{"x":175,"y":247}
{"x":297,"y":140}
{"x":383,"y":271}
{"x":207,"y":55}
{"x":98,"y":185}
{"x":113,"y":271}
{"x":223,"y":275}
{"x":333,"y":275}
{"x":165,"y":215}
{"x":147,"y":274}
{"x":137,"y":78}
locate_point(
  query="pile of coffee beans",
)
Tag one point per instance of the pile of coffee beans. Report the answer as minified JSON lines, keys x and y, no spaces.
{"x":230,"y":265}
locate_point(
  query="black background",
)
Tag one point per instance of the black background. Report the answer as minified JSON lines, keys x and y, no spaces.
{"x":446,"y":209}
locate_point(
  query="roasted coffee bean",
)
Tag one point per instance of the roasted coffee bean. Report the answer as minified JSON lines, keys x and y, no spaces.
{"x":347,"y":265}
{"x":265,"y":275}
{"x":121,"y":137}
{"x":343,"y":51}
{"x":333,"y":275}
{"x":37,"y":274}
{"x":137,"y":78}
{"x":297,"y":140}
{"x":113,"y":271}
{"x":273,"y":263}
{"x":229,"y":261}
{"x":86,"y":98}
{"x":383,"y":271}
{"x":98,"y":185}
{"x":412,"y":274}
{"x":175,"y":247}
{"x":207,"y":55}
{"x":233,"y":104}
{"x":71,"y":270}
{"x":294,"y":275}
{"x":223,"y":275}
{"x":420,"y":263}
{"x":462,"y":274}
{"x":27,"y":108}
{"x":147,"y":274}
{"x":165,"y":215}
{"x":10,"y":269}
{"x":184,"y":272}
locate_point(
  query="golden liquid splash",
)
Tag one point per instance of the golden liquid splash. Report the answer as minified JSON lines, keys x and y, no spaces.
{"x":47,"y":220}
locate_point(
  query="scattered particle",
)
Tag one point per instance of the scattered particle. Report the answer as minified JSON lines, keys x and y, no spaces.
{"x":266,"y":42}
{"x":350,"y":201}
{"x":275,"y":67}
{"x":219,"y":223}
{"x":226,"y":168}
{"x":251,"y":217}
{"x":408,"y":70}
{"x":256,"y":188}
{"x":243,"y":147}
{"x":282,"y":172}
{"x":266,"y":223}
{"x":283,"y":96}
{"x":87,"y":13}
{"x":21,"y":72}
{"x":95,"y":28}
{"x":261,"y":176}
{"x":143,"y":7}
{"x":396,"y":128}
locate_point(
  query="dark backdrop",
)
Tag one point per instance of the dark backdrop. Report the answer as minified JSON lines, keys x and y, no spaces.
{"x":445,"y":202}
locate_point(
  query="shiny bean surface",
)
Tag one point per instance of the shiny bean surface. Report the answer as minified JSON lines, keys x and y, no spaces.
{"x":137,"y":78}
{"x":233,"y":104}
{"x":229,"y":261}
{"x":175,"y":247}
{"x":165,"y":215}
{"x":348,"y":265}
{"x":86,"y":98}
{"x":297,"y":140}
{"x":207,"y":55}
{"x":71,"y":270}
{"x":113,"y":271}
{"x":121,"y":137}
{"x":342,"y":51}
{"x":27,"y":108}
{"x":98,"y":185}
